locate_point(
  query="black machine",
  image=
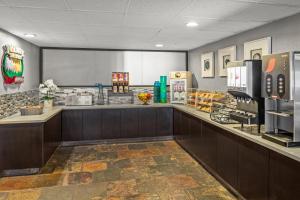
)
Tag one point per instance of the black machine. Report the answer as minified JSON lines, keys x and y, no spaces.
{"x":244,"y":83}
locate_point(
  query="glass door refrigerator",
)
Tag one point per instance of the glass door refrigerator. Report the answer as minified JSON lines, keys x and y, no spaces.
{"x":180,"y":81}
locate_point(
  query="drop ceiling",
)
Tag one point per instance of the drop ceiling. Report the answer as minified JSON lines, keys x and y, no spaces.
{"x":137,"y":24}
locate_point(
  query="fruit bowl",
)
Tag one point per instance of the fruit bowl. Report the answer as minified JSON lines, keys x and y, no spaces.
{"x":144,"y":98}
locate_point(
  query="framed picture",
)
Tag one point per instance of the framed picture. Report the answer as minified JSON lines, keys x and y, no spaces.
{"x":207,"y":65}
{"x":255,"y":50}
{"x":225,"y":56}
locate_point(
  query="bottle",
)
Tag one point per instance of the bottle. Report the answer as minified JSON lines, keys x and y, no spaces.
{"x":115,"y":82}
{"x":126,"y":82}
{"x":163,"y":89}
{"x":156,"y":91}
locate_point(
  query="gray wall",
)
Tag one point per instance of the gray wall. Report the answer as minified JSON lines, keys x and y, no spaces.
{"x":31,"y":62}
{"x":285,"y":35}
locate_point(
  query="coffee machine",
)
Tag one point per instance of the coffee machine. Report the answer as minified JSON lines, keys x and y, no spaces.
{"x":244,"y":83}
{"x":281,"y":89}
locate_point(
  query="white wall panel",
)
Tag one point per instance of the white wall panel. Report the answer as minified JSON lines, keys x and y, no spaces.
{"x":82,"y":67}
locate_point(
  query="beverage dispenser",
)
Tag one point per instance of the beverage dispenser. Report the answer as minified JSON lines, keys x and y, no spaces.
{"x":244,"y":83}
{"x":281,"y":89}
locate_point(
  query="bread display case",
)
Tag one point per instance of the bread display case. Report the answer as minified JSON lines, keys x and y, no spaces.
{"x":206,"y":99}
{"x":191,"y":97}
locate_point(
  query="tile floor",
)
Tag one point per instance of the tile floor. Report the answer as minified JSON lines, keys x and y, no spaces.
{"x":141,"y":171}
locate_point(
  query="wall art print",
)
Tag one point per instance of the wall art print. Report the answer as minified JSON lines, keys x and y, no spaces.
{"x":225,"y":56}
{"x":255,"y":50}
{"x":207,"y":65}
{"x":12,"y":65}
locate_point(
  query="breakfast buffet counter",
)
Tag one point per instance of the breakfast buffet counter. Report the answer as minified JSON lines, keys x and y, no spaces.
{"x":293,"y":153}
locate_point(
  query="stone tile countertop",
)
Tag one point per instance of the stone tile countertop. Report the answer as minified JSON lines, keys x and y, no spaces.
{"x":293,"y":152}
{"x":18,"y":119}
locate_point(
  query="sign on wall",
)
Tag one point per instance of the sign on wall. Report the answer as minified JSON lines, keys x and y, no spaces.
{"x":12,"y":65}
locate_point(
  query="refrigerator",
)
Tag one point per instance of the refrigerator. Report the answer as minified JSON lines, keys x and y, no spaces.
{"x":180,"y":81}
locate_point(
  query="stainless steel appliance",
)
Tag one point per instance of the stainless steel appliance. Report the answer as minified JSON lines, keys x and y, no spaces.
{"x":281,"y":88}
{"x":180,"y":81}
{"x":244,"y":83}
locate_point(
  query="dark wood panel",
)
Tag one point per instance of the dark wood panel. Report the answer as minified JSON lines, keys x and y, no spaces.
{"x":253,"y":169}
{"x":176,"y":123}
{"x":164,"y":121}
{"x":72,"y":125}
{"x":21,"y":146}
{"x":147,"y":122}
{"x":92,"y":125}
{"x":195,"y":138}
{"x":227,"y":157}
{"x":111,"y":123}
{"x":52,"y":136}
{"x":284,"y":178}
{"x":208,"y":145}
{"x":130,"y":123}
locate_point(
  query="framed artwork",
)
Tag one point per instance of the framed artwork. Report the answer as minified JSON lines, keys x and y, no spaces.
{"x":255,"y":50}
{"x":207,"y":65}
{"x":225,"y":56}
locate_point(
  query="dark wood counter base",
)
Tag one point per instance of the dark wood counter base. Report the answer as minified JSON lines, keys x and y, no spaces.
{"x":25,"y":148}
{"x":249,"y":170}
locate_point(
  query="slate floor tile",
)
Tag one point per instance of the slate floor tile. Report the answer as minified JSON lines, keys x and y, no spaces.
{"x":134,"y":171}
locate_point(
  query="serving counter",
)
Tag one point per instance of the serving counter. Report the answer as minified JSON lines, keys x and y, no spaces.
{"x":247,"y":164}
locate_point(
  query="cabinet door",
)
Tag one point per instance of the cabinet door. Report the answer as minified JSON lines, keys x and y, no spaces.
{"x":92,"y":125}
{"x":52,"y":136}
{"x":208,"y":145}
{"x":147,"y":122}
{"x":21,"y":146}
{"x":227,"y":157}
{"x":164,"y":121}
{"x":284,"y":178}
{"x":130,"y":123}
{"x":111,"y":123}
{"x":253,"y":170}
{"x":176,"y":123}
{"x":184,"y":130}
{"x":195,"y":136}
{"x":72,"y":125}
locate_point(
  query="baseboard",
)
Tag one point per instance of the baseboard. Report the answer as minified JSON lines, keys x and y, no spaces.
{"x":117,"y":141}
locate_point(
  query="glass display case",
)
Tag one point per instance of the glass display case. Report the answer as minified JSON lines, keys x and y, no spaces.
{"x":206,"y":99}
{"x":220,"y":111}
{"x":191,"y":97}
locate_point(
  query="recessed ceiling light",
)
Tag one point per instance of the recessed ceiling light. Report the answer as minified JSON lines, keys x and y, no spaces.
{"x":192,"y":24}
{"x":159,"y":45}
{"x":30,"y":35}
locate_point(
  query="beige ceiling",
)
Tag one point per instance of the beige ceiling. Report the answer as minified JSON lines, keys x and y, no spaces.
{"x":137,"y":24}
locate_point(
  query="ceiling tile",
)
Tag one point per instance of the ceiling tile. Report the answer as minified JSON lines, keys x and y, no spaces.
{"x":95,"y":18}
{"x":49,"y":4}
{"x":57,"y":27}
{"x":46,"y":15}
{"x":157,"y":6}
{"x":154,"y":21}
{"x":263,"y":12}
{"x":214,"y":9}
{"x":99,"y":5}
{"x":13,"y":16}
